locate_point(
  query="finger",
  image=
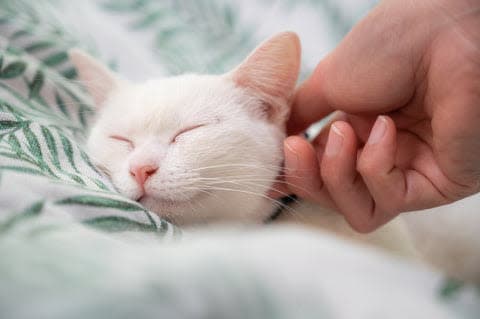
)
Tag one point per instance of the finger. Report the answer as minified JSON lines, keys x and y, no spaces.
{"x":376,"y":164}
{"x":303,"y":172}
{"x":366,"y":73}
{"x":393,"y":189}
{"x":279,"y":189}
{"x":309,"y":103}
{"x":339,"y":174}
{"x":320,"y":142}
{"x":362,"y":125}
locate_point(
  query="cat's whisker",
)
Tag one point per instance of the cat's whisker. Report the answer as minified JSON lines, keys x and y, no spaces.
{"x":199,"y":203}
{"x":200,"y":178}
{"x":256,"y":185}
{"x":272,"y":168}
{"x":245,"y":179}
{"x":244,"y":182}
{"x":277,"y":202}
{"x":195,"y":208}
{"x":233,"y":165}
{"x":202,"y":190}
{"x":272,"y":182}
{"x":237,"y":151}
{"x":249,"y":183}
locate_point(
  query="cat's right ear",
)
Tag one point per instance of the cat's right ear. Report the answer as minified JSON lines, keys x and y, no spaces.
{"x":96,"y":77}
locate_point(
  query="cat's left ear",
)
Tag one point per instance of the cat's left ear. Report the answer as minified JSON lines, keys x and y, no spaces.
{"x":96,"y":77}
{"x":271,"y":73}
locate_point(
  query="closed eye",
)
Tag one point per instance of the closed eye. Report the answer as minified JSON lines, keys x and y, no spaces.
{"x":185,"y":130}
{"x":122,"y":139}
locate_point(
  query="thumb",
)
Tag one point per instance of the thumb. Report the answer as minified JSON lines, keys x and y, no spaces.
{"x":367,"y":73}
{"x":309,"y":103}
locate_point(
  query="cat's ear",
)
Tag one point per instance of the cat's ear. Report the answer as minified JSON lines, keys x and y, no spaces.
{"x":271,"y":71}
{"x":95,"y":76}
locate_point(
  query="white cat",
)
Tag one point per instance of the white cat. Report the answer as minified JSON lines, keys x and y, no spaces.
{"x":202,"y":148}
{"x":196,"y":148}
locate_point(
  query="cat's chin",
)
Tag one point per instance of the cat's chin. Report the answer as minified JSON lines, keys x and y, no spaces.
{"x":163,"y":206}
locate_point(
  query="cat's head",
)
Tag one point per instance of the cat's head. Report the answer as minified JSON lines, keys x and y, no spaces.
{"x":196,"y":148}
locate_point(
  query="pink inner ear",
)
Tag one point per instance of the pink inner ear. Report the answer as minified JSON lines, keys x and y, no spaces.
{"x":272,"y":69}
{"x":96,"y":77}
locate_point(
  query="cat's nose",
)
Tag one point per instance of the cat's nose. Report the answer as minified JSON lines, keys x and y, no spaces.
{"x":142,"y":172}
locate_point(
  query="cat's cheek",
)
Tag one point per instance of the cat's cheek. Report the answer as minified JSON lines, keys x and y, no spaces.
{"x":126,"y":186}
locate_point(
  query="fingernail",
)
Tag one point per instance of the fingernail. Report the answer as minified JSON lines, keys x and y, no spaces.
{"x":378,"y":130}
{"x":292,"y":160}
{"x":335,"y":141}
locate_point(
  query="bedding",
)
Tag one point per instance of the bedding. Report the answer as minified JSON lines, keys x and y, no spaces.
{"x":71,"y":246}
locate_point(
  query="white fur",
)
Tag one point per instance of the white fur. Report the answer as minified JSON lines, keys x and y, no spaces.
{"x":448,"y":237}
{"x":232,"y":147}
{"x":220,"y":171}
{"x":223,"y":170}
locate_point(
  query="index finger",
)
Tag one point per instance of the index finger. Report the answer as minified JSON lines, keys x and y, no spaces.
{"x":309,"y":103}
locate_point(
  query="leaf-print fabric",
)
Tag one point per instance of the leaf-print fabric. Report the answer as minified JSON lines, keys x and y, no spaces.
{"x":71,"y":246}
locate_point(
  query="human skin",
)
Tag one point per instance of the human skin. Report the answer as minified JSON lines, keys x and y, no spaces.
{"x":411,"y":71}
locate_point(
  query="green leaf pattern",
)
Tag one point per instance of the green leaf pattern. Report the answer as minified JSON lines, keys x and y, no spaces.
{"x":45,"y":113}
{"x":43,"y":120}
{"x":13,"y":70}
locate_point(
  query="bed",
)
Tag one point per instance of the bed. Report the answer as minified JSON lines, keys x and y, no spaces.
{"x":72,"y":247}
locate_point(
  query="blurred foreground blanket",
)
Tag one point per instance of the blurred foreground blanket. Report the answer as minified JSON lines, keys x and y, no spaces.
{"x":71,"y":247}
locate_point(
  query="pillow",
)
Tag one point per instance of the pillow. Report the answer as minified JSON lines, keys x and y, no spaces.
{"x":44,"y":116}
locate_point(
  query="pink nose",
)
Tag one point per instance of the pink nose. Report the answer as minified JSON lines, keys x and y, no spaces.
{"x":142,"y":172}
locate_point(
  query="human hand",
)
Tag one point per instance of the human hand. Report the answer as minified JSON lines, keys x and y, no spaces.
{"x":417,"y":65}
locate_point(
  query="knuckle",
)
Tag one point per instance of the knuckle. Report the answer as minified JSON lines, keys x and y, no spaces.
{"x":370,"y":220}
{"x":387,"y":205}
{"x":307,"y":188}
{"x":453,"y":191}
{"x":366,"y":167}
{"x":330,"y":177}
{"x":362,"y":221}
{"x":362,"y":226}
{"x":331,"y":174}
